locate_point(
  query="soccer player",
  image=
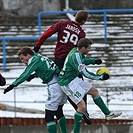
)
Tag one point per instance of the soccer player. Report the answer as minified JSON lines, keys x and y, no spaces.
{"x":68,"y":34}
{"x":75,"y":88}
{"x":48,"y":72}
{"x":2,"y":80}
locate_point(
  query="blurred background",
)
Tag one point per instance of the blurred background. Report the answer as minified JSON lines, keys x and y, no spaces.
{"x":32,"y":7}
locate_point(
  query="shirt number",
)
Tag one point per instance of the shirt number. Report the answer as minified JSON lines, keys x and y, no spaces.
{"x":69,"y":37}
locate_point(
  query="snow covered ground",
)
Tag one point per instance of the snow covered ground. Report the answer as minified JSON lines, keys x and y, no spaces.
{"x":32,"y":95}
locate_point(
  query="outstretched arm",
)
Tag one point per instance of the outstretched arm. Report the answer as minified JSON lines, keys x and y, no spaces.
{"x":81,"y":67}
{"x":49,"y":32}
{"x":88,"y":61}
{"x":92,"y":75}
{"x":24,"y":75}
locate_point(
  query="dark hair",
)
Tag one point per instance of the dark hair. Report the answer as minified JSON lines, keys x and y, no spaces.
{"x":81,"y":15}
{"x":84,"y":42}
{"x":25,"y":50}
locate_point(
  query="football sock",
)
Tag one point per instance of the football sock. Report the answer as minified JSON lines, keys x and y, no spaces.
{"x":62,"y":123}
{"x":99,"y":102}
{"x":51,"y":126}
{"x":77,"y":121}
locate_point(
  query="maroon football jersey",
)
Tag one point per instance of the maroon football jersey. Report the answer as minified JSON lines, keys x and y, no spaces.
{"x":68,"y":35}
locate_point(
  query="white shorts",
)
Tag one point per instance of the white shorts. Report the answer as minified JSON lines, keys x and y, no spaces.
{"x":56,"y":96}
{"x":76,"y":89}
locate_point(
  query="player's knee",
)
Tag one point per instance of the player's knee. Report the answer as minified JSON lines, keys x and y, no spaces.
{"x":84,"y":108}
{"x":59,"y":112}
{"x":49,"y":115}
{"x":81,"y":107}
{"x":93,"y":91}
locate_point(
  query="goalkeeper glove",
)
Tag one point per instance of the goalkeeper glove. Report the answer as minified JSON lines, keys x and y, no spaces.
{"x":105,"y":76}
{"x":98,"y":61}
{"x":8,"y":88}
{"x":36,"y":49}
{"x":30,"y":77}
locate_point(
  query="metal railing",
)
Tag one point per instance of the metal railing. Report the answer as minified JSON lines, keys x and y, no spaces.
{"x":5,"y":39}
{"x":104,"y":12}
{"x":15,"y":109}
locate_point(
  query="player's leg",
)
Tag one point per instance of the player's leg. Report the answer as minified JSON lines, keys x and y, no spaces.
{"x":58,"y":100}
{"x":59,"y":62}
{"x":49,"y":118}
{"x":85,"y":114}
{"x":78,"y":116}
{"x":100,"y":103}
{"x":61,"y":119}
{"x":84,"y":98}
{"x":75,"y":90}
{"x":51,"y":106}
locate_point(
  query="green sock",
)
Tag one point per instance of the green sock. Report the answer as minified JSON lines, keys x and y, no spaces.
{"x":100,"y":103}
{"x":62,"y":123}
{"x":51,"y":126}
{"x":77,"y":121}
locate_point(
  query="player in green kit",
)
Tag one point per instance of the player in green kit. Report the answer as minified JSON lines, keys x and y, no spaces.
{"x":45,"y":69}
{"x":75,"y":88}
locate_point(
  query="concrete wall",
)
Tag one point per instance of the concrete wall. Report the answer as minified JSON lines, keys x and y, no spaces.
{"x":109,"y":128}
{"x":32,"y":7}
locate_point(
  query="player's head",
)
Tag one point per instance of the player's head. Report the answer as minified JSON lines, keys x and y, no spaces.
{"x":25,"y":53}
{"x":84,"y":45}
{"x":81,"y":17}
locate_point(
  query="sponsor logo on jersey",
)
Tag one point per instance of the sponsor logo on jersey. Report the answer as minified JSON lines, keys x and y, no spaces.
{"x":81,"y":67}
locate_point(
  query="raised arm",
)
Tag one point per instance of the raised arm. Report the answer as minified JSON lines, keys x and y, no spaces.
{"x":49,"y":32}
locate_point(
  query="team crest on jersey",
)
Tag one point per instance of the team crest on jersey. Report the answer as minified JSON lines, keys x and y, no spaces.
{"x":81,"y":67}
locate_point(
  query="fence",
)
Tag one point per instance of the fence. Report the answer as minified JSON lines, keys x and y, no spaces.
{"x":5,"y":39}
{"x":105,"y":12}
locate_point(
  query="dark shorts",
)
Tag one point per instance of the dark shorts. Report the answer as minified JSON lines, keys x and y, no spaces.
{"x":59,"y":62}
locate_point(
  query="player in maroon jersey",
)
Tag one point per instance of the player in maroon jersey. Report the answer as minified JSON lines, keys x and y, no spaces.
{"x":68,"y":34}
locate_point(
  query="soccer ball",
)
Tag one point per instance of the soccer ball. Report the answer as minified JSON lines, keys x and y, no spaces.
{"x":101,"y":70}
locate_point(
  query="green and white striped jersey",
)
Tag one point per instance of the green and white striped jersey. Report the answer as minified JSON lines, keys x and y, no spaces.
{"x":74,"y":65}
{"x":43,"y":67}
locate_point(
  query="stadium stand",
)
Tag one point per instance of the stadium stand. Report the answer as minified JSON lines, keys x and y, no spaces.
{"x":119,"y":34}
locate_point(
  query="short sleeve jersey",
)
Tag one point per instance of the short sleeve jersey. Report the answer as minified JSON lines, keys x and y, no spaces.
{"x":74,"y":65}
{"x":68,"y":35}
{"x":43,"y":67}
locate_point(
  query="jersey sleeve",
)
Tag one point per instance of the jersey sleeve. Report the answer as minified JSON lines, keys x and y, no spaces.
{"x":49,"y":32}
{"x":27,"y":72}
{"x":81,"y":67}
{"x":88,"y":61}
